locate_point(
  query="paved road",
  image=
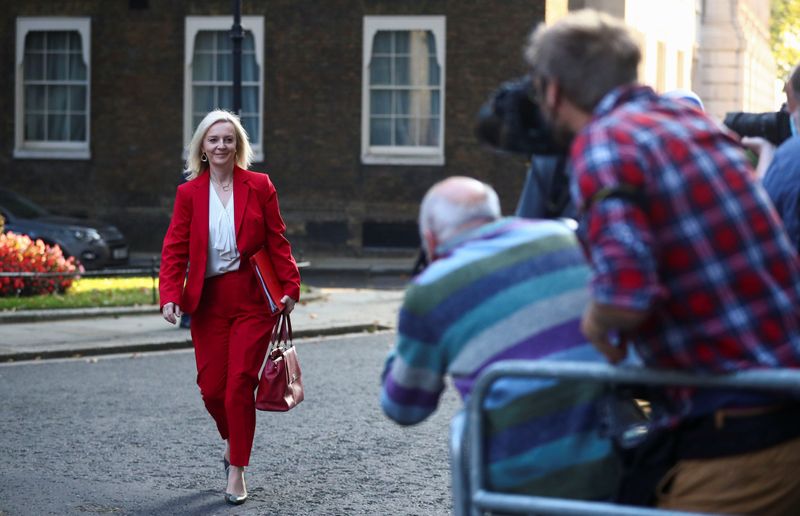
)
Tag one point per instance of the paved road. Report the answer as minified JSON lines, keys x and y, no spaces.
{"x":129,"y":435}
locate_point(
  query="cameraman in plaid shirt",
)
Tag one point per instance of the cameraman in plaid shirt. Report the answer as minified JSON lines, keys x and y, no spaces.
{"x":691,"y":264}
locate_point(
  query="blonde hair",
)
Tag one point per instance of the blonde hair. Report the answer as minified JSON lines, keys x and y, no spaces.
{"x":589,"y":53}
{"x":244,"y":153}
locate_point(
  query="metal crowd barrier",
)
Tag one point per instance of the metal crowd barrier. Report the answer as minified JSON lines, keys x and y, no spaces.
{"x":467,"y":444}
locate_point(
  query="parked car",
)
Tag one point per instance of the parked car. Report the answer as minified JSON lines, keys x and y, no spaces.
{"x":93,"y":243}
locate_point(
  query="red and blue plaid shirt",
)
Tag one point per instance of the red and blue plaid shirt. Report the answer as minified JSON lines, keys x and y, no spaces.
{"x":674,"y":224}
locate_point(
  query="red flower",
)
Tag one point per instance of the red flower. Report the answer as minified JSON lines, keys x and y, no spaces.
{"x":18,"y":253}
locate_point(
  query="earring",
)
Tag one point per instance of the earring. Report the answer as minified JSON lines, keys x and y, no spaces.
{"x":203,"y":157}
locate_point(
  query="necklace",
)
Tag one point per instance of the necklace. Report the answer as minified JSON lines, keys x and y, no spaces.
{"x":225,"y":187}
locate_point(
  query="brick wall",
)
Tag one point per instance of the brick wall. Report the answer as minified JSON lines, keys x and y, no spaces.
{"x":312,"y":113}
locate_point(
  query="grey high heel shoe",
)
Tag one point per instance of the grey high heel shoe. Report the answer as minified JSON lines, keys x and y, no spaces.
{"x":233,"y":499}
{"x":227,"y":466}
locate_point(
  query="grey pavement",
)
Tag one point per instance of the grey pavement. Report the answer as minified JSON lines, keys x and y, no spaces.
{"x":49,"y":334}
{"x":349,"y":294}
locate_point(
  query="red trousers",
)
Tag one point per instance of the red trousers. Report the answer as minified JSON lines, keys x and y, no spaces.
{"x":230,"y":330}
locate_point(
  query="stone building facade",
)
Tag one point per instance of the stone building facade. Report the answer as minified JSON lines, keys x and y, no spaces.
{"x":737,"y":71}
{"x":718,"y":48}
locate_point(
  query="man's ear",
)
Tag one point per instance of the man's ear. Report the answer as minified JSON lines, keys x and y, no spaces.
{"x":430,"y":243}
{"x":552,"y":95}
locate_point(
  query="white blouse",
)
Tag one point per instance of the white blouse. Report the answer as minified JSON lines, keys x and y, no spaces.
{"x":223,"y":256}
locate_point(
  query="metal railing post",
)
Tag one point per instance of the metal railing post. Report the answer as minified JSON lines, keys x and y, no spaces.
{"x":237,"y":35}
{"x":153,"y":278}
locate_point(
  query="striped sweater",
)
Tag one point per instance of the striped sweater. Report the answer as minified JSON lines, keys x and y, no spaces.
{"x":512,"y":289}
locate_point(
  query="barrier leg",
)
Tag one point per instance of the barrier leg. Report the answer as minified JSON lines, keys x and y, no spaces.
{"x":458,"y":465}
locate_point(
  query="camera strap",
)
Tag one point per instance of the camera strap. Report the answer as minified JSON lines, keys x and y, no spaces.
{"x":623,"y":192}
{"x":559,"y":196}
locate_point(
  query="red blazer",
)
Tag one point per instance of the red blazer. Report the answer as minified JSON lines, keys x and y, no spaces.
{"x":258,"y":223}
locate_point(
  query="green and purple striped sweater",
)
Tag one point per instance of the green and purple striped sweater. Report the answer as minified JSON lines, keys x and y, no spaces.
{"x":512,"y":289}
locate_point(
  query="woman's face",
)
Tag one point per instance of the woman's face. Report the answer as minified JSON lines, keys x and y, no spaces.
{"x":219,"y":144}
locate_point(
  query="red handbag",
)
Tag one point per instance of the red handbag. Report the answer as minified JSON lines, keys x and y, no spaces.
{"x":281,"y":385}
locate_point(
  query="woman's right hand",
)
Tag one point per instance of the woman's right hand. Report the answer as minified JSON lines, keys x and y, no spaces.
{"x":171,"y":312}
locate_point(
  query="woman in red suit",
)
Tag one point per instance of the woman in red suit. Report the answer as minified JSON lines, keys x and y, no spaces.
{"x":223,"y":214}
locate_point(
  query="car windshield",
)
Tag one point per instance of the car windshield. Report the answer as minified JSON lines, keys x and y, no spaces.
{"x":20,"y":206}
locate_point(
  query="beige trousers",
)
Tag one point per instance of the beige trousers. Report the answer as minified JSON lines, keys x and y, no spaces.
{"x":763,"y":483}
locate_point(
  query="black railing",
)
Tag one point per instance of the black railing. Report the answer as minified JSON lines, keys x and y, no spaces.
{"x":151,"y":271}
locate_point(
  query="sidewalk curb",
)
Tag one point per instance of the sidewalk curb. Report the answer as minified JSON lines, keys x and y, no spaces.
{"x":180,"y":342}
{"x":62,"y":314}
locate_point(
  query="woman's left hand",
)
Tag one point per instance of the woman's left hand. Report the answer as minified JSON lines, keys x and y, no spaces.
{"x":288,"y":304}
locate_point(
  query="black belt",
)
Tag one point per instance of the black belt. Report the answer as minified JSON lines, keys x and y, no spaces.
{"x":729,"y":432}
{"x":724,"y":433}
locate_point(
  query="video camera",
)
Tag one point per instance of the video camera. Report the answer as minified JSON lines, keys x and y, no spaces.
{"x":511,"y":121}
{"x":775,"y":127}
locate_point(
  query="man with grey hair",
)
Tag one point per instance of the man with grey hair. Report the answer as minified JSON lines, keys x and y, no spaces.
{"x":453,"y":207}
{"x":690,"y":263}
{"x":502,"y":288}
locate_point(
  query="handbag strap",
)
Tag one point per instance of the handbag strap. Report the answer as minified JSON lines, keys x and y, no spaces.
{"x":281,"y":332}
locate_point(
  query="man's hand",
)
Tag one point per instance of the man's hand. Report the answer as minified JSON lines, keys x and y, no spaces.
{"x":757,"y":144}
{"x":765,"y":151}
{"x":171,"y":312}
{"x":600,"y":322}
{"x":599,"y":337}
{"x":288,"y":304}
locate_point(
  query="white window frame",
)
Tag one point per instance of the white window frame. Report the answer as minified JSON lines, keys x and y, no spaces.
{"x":195,"y":24}
{"x":401,"y":155}
{"x":50,"y":150}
